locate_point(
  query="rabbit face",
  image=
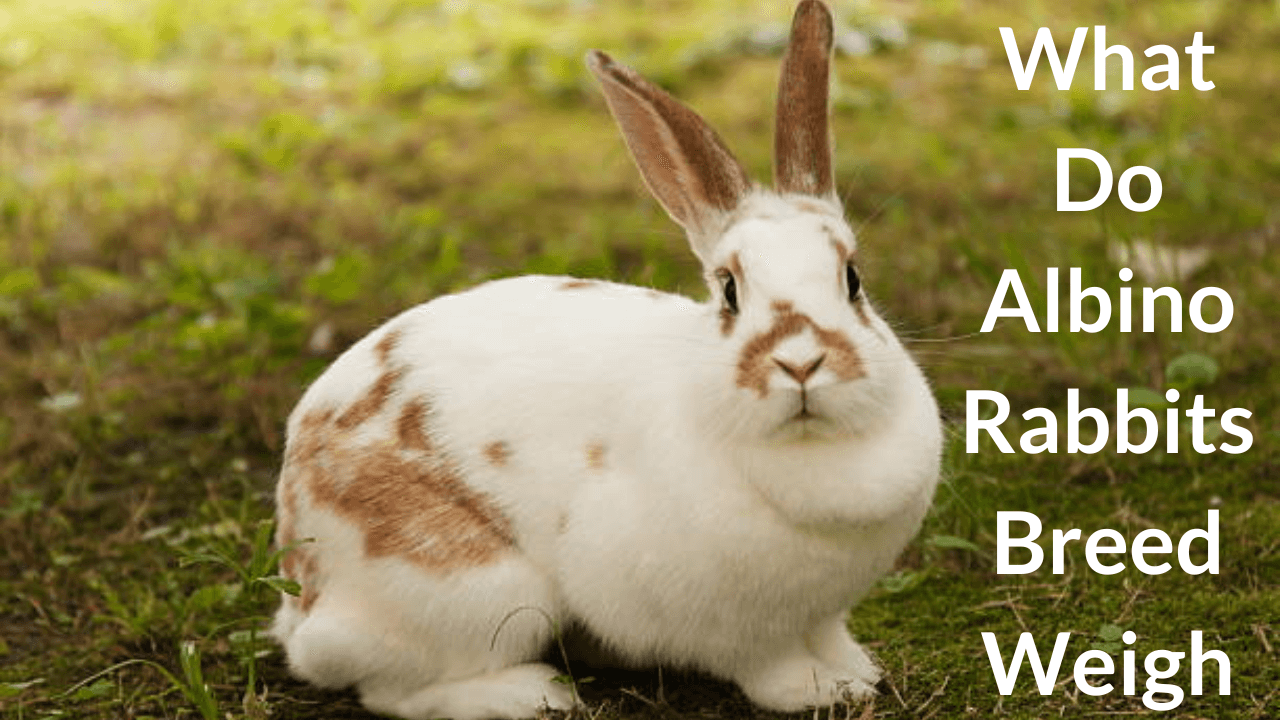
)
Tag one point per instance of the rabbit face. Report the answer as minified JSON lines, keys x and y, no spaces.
{"x":811,"y":358}
{"x":807,"y":357}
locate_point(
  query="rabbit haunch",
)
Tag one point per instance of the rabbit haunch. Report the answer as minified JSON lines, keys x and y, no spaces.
{"x":407,"y":496}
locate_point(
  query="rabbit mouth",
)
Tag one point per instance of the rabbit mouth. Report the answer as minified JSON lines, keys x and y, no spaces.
{"x":806,"y":410}
{"x":809,"y":417}
{"x":805,"y":425}
{"x":806,"y":414}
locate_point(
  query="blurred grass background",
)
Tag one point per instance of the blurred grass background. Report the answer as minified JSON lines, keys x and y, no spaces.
{"x":203,"y":203}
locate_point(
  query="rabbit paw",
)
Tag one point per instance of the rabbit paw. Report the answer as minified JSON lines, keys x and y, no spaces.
{"x":800,"y":681}
{"x":833,"y":645}
{"x":515,"y":692}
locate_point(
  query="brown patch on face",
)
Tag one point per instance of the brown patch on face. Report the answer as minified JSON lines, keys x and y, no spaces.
{"x":595,"y":456}
{"x":727,"y":321}
{"x":498,"y":453}
{"x":386,"y":346}
{"x":844,"y":359}
{"x":755,"y":366}
{"x":413,"y":507}
{"x":372,"y":402}
{"x":410,"y":426}
{"x":576,"y":284}
{"x":842,"y":251}
{"x":734,"y":266}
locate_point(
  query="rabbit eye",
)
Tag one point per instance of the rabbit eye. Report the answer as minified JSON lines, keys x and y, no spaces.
{"x":852,"y":282}
{"x":729,"y":288}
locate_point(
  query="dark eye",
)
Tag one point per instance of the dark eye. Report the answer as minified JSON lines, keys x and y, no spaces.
{"x":730,"y":289}
{"x":852,"y":281}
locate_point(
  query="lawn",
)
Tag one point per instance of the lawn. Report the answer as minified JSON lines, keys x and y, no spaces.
{"x":203,"y":203}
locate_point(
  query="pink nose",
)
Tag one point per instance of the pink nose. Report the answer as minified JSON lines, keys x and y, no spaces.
{"x":801,"y":372}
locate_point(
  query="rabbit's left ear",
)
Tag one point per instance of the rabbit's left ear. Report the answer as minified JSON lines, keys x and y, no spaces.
{"x":802,"y":140}
{"x":684,"y":162}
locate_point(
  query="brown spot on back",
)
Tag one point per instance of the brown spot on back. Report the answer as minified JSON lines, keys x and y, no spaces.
{"x":754,"y":364}
{"x":577,"y":284}
{"x":316,"y":418}
{"x":498,"y":453}
{"x":417,"y":508}
{"x":403,"y":494}
{"x":595,"y":456}
{"x":309,"y":438}
{"x":410,"y":426}
{"x":386,"y":346}
{"x":372,"y":402}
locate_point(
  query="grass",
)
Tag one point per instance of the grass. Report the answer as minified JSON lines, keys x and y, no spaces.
{"x":202,"y":204}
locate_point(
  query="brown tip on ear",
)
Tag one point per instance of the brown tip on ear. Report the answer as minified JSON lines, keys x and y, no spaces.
{"x":802,"y":140}
{"x":598,"y":61}
{"x":684,"y":162}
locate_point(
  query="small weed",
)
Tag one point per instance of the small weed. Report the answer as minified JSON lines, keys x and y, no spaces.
{"x":1108,"y":638}
{"x":258,"y":583}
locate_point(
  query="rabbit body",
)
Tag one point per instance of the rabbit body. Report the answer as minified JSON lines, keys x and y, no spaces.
{"x":701,"y":485}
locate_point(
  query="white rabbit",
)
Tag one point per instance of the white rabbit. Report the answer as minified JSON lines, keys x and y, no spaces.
{"x":699,"y":485}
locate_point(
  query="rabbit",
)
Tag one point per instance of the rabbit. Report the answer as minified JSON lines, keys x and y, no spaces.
{"x":703,"y":485}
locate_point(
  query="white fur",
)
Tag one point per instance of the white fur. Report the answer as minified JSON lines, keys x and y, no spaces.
{"x":679,"y":514}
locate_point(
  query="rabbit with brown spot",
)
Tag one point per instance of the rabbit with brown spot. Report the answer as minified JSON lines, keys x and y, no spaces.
{"x":702,"y":485}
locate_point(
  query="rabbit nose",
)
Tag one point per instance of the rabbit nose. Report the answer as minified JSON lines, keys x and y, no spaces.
{"x":800,"y":372}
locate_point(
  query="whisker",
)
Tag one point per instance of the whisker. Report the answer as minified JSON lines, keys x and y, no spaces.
{"x":952,"y":338}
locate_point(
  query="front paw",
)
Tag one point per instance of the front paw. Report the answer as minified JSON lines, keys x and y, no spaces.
{"x":803,"y":681}
{"x":833,"y":645}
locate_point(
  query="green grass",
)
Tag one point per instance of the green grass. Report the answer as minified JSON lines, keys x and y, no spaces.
{"x":201,"y":204}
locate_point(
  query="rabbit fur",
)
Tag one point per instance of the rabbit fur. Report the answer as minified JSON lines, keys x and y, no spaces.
{"x":701,"y":485}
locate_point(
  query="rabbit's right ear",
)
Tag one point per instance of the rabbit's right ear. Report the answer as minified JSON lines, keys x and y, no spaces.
{"x":802,"y":144}
{"x":685,"y":164}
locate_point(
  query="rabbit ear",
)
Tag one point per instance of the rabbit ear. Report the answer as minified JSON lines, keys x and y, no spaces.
{"x":802,"y":142}
{"x":685,"y":164}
